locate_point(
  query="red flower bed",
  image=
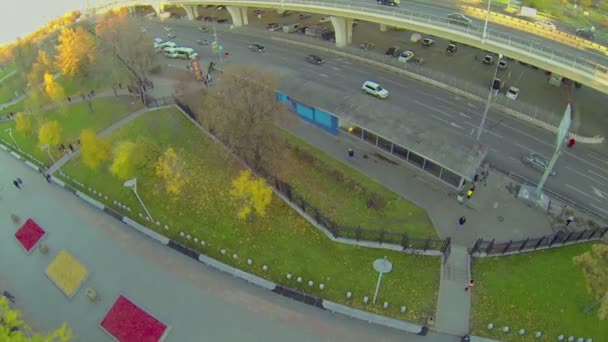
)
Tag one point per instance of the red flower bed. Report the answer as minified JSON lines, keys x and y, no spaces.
{"x":29,"y":235}
{"x":127,"y":322}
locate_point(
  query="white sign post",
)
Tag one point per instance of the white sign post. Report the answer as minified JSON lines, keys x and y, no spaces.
{"x":132,"y":183}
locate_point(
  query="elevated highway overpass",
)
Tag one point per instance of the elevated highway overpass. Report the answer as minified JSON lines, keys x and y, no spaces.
{"x":584,"y":66}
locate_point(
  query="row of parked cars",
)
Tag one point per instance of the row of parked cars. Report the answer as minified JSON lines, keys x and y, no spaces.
{"x":172,"y":50}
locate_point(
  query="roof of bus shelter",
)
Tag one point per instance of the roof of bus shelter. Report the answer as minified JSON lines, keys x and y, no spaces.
{"x":416,"y":128}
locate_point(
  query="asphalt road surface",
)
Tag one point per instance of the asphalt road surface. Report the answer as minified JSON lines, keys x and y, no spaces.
{"x":199,"y":303}
{"x":582,"y":173}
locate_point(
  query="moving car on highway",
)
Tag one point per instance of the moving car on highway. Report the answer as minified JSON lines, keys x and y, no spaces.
{"x":451,"y":49}
{"x":314,"y":59}
{"x":587,"y":33}
{"x":273,"y":27}
{"x":547,"y":24}
{"x":256,"y":48}
{"x":537,"y":162}
{"x":388,"y":2}
{"x":458,"y":18}
{"x":406,"y":56}
{"x":373,"y":88}
{"x":393,"y":51}
{"x":512,"y":93}
{"x":427,"y":42}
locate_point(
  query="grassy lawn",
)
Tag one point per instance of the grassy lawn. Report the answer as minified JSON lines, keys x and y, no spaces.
{"x":72,"y":118}
{"x":346,"y":204}
{"x":74,"y":88}
{"x":283,"y":240}
{"x":541,"y":291}
{"x":6,"y":69}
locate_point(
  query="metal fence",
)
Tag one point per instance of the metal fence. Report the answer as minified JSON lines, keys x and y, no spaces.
{"x":491,"y":247}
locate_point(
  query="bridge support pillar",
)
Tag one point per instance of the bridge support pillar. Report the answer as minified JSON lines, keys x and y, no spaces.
{"x":131,"y":9}
{"x":239,"y":15}
{"x":344,"y":30}
{"x":383,"y":28}
{"x":158,"y":8}
{"x":191,"y":11}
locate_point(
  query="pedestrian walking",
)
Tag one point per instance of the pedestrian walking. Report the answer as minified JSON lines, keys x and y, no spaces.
{"x":470,"y":285}
{"x":570,"y":219}
{"x":19,"y":181}
{"x":47,"y":177}
{"x":470,"y":192}
{"x":16,"y":183}
{"x":9,"y":296}
{"x":351,"y":154}
{"x":461,"y":221}
{"x":71,"y":147}
{"x":62,"y":146}
{"x":571,"y":143}
{"x":69,"y":99}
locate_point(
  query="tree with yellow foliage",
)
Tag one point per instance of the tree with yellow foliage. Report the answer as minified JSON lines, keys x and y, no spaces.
{"x":49,"y":133}
{"x":75,"y":52}
{"x":130,"y":156}
{"x":172,"y":170}
{"x":595,"y":267}
{"x":93,"y":148}
{"x":253,"y":193}
{"x":23,"y":124}
{"x":53,"y":89}
{"x":14,"y":329}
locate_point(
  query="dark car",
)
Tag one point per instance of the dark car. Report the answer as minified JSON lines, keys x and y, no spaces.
{"x":208,"y":19}
{"x":387,"y":2}
{"x":256,"y":48}
{"x":427,"y":42}
{"x":305,"y":16}
{"x":451,"y":49}
{"x":487,"y":59}
{"x":314,"y":59}
{"x":585,"y":33}
{"x":273,"y":27}
{"x":222,"y":21}
{"x":393,"y":51}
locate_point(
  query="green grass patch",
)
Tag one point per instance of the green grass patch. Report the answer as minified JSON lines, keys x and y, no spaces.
{"x":74,"y":87}
{"x":347,"y":196}
{"x":540,"y":291}
{"x":283,"y":240}
{"x":72,"y":118}
{"x":7,"y":69}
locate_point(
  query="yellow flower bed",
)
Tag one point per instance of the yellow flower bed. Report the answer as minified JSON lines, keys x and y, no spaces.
{"x":67,"y":273}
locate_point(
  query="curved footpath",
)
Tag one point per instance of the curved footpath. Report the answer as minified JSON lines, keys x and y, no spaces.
{"x":199,"y":303}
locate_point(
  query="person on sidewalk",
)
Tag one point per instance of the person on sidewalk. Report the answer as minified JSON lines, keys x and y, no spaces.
{"x":470,"y":192}
{"x":351,"y":155}
{"x":571,"y":143}
{"x":461,"y":221}
{"x":570,"y":219}
{"x":16,"y":183}
{"x":9,"y":296}
{"x":470,"y":285}
{"x":71,"y":148}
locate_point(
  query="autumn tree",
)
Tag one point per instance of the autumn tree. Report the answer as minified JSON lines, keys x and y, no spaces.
{"x":49,"y":133}
{"x":253,"y":194}
{"x":131,"y":158}
{"x":594,"y":264}
{"x":23,"y":123}
{"x":122,"y":43}
{"x":245,"y":115}
{"x":93,"y":148}
{"x":172,"y":169}
{"x":53,"y":89}
{"x":13,"y":328}
{"x":24,"y":53}
{"x":75,"y":52}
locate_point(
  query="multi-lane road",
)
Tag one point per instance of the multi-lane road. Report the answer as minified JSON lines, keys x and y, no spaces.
{"x":582,"y":173}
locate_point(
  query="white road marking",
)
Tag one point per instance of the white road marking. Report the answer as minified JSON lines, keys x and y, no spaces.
{"x":582,"y":192}
{"x":598,"y":175}
{"x":584,"y":175}
{"x":598,"y":208}
{"x":472,"y":129}
{"x":495,"y":150}
{"x":471,"y":105}
{"x":594,"y":156}
{"x":455,"y":125}
{"x":463,"y":114}
{"x":435,"y":109}
{"x":324,"y":75}
{"x":336,"y":68}
{"x":526,"y":134}
{"x":598,"y":192}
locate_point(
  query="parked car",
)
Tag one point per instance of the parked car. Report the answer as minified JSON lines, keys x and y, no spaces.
{"x":305,"y":16}
{"x":157,"y":42}
{"x":388,"y":2}
{"x":458,"y":18}
{"x":160,"y":47}
{"x":451,"y":49}
{"x":547,"y":24}
{"x":273,"y":27}
{"x":366,"y":46}
{"x":487,"y":59}
{"x":168,"y":28}
{"x":222,"y":21}
{"x":392,"y":51}
{"x":417,"y":61}
{"x":502,"y":64}
{"x":208,"y":19}
{"x":314,"y":59}
{"x":171,"y":35}
{"x":406,"y":56}
{"x":586,"y":33}
{"x":512,"y":93}
{"x":324,"y":19}
{"x":256,"y":48}
{"x":373,"y":88}
{"x":203,"y":29}
{"x":427,"y":42}
{"x":537,"y":162}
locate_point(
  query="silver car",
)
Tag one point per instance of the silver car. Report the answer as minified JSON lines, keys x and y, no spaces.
{"x":536,"y":161}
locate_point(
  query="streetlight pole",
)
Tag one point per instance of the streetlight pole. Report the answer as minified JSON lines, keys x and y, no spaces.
{"x":48,"y":150}
{"x":484,"y":34}
{"x":488,"y":101}
{"x":10,"y":133}
{"x":132,"y":183}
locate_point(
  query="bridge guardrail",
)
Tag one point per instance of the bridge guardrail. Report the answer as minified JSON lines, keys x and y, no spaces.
{"x":397,"y":13}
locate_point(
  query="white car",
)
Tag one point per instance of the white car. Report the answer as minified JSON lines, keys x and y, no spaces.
{"x":373,"y":88}
{"x":162,"y":46}
{"x":547,"y":24}
{"x":168,"y":28}
{"x":512,"y":93}
{"x":157,"y":42}
{"x":406,"y":56}
{"x":325,"y":19}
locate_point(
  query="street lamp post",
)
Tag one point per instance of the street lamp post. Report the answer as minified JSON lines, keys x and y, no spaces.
{"x":132,"y":183}
{"x":10,"y":133}
{"x":484,"y":34}
{"x":488,"y":101}
{"x":48,"y":150}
